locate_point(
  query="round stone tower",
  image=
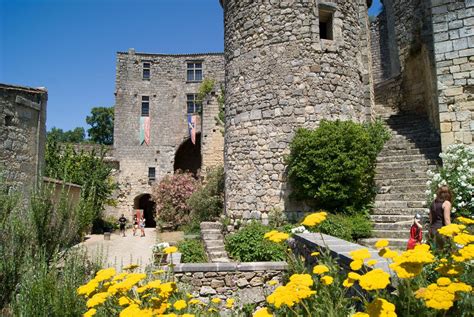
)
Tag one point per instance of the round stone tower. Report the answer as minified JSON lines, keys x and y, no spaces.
{"x":289,"y":64}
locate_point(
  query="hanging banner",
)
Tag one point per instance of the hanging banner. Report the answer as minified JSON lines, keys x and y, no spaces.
{"x":145,"y":130}
{"x":192,"y":127}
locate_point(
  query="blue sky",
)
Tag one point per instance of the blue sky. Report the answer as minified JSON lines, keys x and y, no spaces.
{"x":69,"y":46}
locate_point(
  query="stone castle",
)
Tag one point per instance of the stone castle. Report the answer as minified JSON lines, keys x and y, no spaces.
{"x":290,"y":64}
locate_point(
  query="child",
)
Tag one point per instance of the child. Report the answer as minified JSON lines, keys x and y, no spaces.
{"x":135,"y":224}
{"x":416,"y":233}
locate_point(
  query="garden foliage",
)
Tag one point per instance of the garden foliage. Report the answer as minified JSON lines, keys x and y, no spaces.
{"x":249,"y":245}
{"x":171,"y":197}
{"x":458,"y":173}
{"x":333,"y":167}
{"x":347,"y":227}
{"x":192,"y":251}
{"x":207,"y":202}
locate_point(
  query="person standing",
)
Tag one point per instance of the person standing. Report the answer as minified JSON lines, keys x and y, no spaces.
{"x":440,"y":214}
{"x":135,"y":224}
{"x":142,"y":226}
{"x":122,"y":222}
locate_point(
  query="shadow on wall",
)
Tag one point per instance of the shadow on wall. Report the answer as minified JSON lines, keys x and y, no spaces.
{"x":188,"y":156}
{"x":144,"y":202}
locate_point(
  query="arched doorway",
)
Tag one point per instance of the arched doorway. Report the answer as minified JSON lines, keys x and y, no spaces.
{"x":188,"y":156}
{"x":145,"y":203}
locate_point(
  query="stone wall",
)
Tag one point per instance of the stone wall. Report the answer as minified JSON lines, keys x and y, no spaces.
{"x":23,"y":135}
{"x":280,"y":76}
{"x":167,"y":88}
{"x":380,"y":49}
{"x":212,"y":137}
{"x":453,"y":24}
{"x":245,"y":282}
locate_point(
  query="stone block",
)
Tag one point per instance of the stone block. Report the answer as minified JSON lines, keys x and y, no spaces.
{"x":445,"y":127}
{"x":455,"y":91}
{"x":207,"y":290}
{"x":447,"y":138}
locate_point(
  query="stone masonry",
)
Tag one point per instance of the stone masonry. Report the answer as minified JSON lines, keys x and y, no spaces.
{"x":23,"y":135}
{"x":167,"y":89}
{"x":285,"y":70}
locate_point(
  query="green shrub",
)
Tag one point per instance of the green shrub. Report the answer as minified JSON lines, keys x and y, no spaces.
{"x":207,"y":202}
{"x":248,"y":245}
{"x":347,"y":227}
{"x":333,"y":166}
{"x":192,"y":251}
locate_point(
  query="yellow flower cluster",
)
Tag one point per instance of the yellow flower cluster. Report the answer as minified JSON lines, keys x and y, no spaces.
{"x":410,"y":263}
{"x":381,"y":307}
{"x":297,"y":289}
{"x":170,"y":250}
{"x":451,"y":229}
{"x":374,"y":280}
{"x":352,"y":277}
{"x":320,"y":269}
{"x":263,"y":312}
{"x":464,"y":254}
{"x":442,"y":295}
{"x":381,"y":244}
{"x":463,"y":238}
{"x":276,"y":236}
{"x":358,"y":257}
{"x":466,"y":221}
{"x":314,"y":219}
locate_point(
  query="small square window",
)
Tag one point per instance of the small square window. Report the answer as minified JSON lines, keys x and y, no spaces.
{"x":145,"y":106}
{"x":326,"y":24}
{"x":193,"y":105}
{"x":151,"y":173}
{"x":146,"y":70}
{"x":194,"y":71}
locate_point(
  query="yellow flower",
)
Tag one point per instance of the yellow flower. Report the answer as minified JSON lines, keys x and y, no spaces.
{"x":375,"y":279}
{"x":91,"y":312}
{"x":463,"y":238}
{"x":187,"y":315}
{"x":135,"y":311}
{"x":353,"y":276}
{"x":276,"y":236}
{"x":371,"y":262}
{"x":229,"y":302}
{"x":126,"y":284}
{"x":359,"y":314}
{"x":180,"y":304}
{"x":327,"y":280}
{"x":387,"y":253}
{"x":356,"y":265}
{"x":465,"y":254}
{"x":262,"y":312}
{"x":293,"y":292}
{"x":441,"y":295}
{"x":272,"y":282}
{"x":348,"y":282}
{"x":195,"y":301}
{"x":125,"y":301}
{"x":381,"y":307}
{"x":131,"y":267}
{"x":314,"y":219}
{"x":315,"y":253}
{"x":443,"y":281}
{"x":381,"y":244}
{"x":360,"y":254}
{"x":120,"y":276}
{"x":104,"y":274}
{"x":216,"y":300}
{"x":449,"y":269}
{"x":170,"y":250}
{"x":97,"y":299}
{"x":464,"y":220}
{"x":158,"y":272}
{"x":88,"y":288}
{"x":320,"y":269}
{"x":451,"y":229}
{"x":410,"y":263}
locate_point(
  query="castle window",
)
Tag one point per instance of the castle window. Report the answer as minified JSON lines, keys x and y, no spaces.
{"x":151,"y":173}
{"x":193,"y":104}
{"x":194,"y":71}
{"x":325,"y":23}
{"x":146,"y":70}
{"x":145,"y":106}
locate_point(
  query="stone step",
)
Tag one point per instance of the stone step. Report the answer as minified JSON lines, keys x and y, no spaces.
{"x":403,"y":225}
{"x":220,"y":260}
{"x":212,"y":231}
{"x":400,"y":234}
{"x":419,"y":139}
{"x":216,"y":255}
{"x":398,"y":211}
{"x":212,"y":236}
{"x":406,"y":158}
{"x":400,"y":196}
{"x":220,"y":248}
{"x":394,"y":243}
{"x":211,"y":225}
{"x":400,"y":181}
{"x":433,"y":150}
{"x":405,"y":164}
{"x":401,"y":175}
{"x":390,"y":218}
{"x":213,"y":243}
{"x":395,"y":204}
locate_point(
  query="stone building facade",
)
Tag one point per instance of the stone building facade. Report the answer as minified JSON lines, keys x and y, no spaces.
{"x":161,"y":89}
{"x":22,"y":135}
{"x":289,"y":64}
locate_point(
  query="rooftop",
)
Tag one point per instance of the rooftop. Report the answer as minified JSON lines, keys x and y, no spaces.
{"x":41,"y":90}
{"x":132,"y":51}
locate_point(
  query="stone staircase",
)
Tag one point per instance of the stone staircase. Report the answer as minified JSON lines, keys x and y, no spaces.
{"x":211,"y":234}
{"x":401,"y":178}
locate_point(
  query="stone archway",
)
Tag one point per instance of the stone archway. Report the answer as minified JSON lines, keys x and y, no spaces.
{"x":188,"y":156}
{"x":145,"y":203}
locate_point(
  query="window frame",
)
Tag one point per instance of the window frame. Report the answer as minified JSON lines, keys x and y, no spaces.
{"x":195,"y":104}
{"x":194,"y":70}
{"x":145,"y":101}
{"x":144,"y":68}
{"x":326,"y":22}
{"x":151,"y":176}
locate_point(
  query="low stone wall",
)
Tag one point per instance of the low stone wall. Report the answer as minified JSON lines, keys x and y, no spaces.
{"x":246,"y":282}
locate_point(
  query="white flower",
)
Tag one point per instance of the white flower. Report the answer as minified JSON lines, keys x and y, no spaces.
{"x":300,"y":229}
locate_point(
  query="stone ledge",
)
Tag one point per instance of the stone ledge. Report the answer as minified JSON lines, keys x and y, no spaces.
{"x":230,"y":267}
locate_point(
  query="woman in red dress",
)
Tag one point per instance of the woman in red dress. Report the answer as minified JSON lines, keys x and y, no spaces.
{"x":416,"y":233}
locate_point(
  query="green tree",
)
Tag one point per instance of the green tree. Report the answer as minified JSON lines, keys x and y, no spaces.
{"x":77,"y":135}
{"x":101,"y":121}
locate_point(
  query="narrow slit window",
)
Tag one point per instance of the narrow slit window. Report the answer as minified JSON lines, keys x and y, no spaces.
{"x":326,"y":24}
{"x":151,"y":173}
{"x":193,"y":104}
{"x":145,"y":106}
{"x":146,"y":70}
